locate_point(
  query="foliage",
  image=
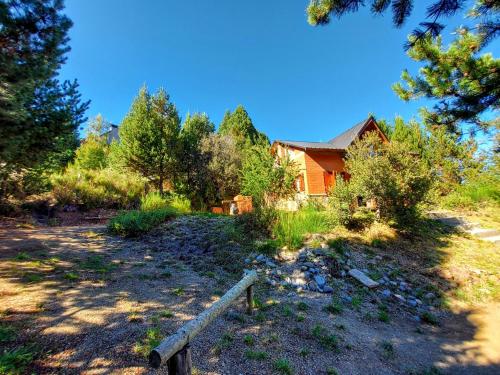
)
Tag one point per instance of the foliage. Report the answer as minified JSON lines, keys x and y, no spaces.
{"x":397,"y":179}
{"x":39,"y":115}
{"x":341,"y":202}
{"x":465,"y":85}
{"x":239,"y":126}
{"x":93,"y":151}
{"x":15,"y":361}
{"x":149,"y":137}
{"x":153,"y":201}
{"x":485,"y":188}
{"x":223,"y":166}
{"x":194,"y":180}
{"x":97,"y":188}
{"x":319,"y":12}
{"x":137,"y":222}
{"x":266,"y":179}
{"x":179,"y":203}
{"x":290,"y":228}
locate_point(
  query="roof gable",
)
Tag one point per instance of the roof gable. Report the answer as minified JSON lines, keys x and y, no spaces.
{"x":340,"y":142}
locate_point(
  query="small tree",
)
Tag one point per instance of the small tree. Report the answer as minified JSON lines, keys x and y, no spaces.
{"x":265,"y":178}
{"x":222,"y":160}
{"x":239,"y":126}
{"x":193,"y":181}
{"x":149,"y":137}
{"x":341,"y":202}
{"x":93,"y":151}
{"x":397,"y":178}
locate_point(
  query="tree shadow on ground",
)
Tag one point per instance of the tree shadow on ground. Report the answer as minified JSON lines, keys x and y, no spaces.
{"x":92,"y":320}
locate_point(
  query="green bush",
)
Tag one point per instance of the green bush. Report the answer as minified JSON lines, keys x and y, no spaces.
{"x":137,"y":222}
{"x":290,"y":227}
{"x":152,"y":202}
{"x":97,"y":188}
{"x":341,"y":202}
{"x":484,"y":189}
{"x":180,"y":203}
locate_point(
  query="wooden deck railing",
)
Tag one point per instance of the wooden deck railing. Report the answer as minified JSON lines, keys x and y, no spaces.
{"x":175,"y":350}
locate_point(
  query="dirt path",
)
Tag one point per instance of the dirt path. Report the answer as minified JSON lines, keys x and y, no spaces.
{"x":87,"y":301}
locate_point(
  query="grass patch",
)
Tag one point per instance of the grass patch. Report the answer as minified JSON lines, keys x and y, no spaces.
{"x":178,"y":291}
{"x":291,"y":227}
{"x":22,"y":256}
{"x":151,"y":340}
{"x":332,"y":371}
{"x":283,"y":366}
{"x":249,"y":340}
{"x":15,"y":361}
{"x":7,"y":333}
{"x":224,"y":342}
{"x":137,"y":222}
{"x":302,"y":306}
{"x":304,"y":352}
{"x":328,"y":341}
{"x":256,"y":355}
{"x":166,"y":314}
{"x":387,"y":349}
{"x":429,"y":318}
{"x":383,"y":315}
{"x":32,"y":278}
{"x":98,"y":264}
{"x":71,"y":276}
{"x":334,"y":307}
{"x":337,"y":244}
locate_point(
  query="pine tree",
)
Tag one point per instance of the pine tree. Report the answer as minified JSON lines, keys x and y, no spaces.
{"x":39,"y":115}
{"x":320,"y":12}
{"x":465,"y":84}
{"x":149,"y":137}
{"x":239,"y":126}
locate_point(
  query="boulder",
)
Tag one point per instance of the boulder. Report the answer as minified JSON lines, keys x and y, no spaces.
{"x":362,"y":278}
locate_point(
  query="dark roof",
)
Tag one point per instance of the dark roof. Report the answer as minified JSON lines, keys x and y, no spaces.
{"x":344,"y":140}
{"x":340,"y":142}
{"x":315,"y":145}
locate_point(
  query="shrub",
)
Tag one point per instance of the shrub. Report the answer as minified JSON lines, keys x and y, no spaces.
{"x":290,"y":228}
{"x":97,"y":188}
{"x":395,"y":177}
{"x":136,"y":222}
{"x":152,"y":202}
{"x":341,"y":202}
{"x":180,"y":203}
{"x":485,"y":188}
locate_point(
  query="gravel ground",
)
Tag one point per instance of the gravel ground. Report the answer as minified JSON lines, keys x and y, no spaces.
{"x":87,"y":300}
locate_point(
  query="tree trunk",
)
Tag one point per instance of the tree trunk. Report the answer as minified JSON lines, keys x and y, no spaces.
{"x":160,"y":185}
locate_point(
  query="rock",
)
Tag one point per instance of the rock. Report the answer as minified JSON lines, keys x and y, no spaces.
{"x":399,"y":297}
{"x":260,"y":258}
{"x":303,"y":268}
{"x":312,"y":286}
{"x":416,"y":318}
{"x":419,"y":302}
{"x":309,"y":264}
{"x":430,"y":295}
{"x":320,"y":280}
{"x":247,"y":261}
{"x":412,"y":303}
{"x":346,"y":298}
{"x":362,"y":278}
{"x":386,"y":293}
{"x":307,"y":275}
{"x":318,"y":252}
{"x":270,"y":264}
{"x":327,"y":289}
{"x":271,"y":282}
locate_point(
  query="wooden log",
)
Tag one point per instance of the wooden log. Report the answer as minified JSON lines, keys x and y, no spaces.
{"x":250,"y":300}
{"x":174,"y":343}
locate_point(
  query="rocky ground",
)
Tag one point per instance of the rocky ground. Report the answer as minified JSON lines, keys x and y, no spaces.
{"x":80,"y":301}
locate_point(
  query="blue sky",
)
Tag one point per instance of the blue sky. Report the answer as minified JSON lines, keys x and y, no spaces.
{"x":296,"y":81}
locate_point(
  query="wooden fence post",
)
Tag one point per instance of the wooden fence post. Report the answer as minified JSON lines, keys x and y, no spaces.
{"x":250,"y":300}
{"x":180,"y":363}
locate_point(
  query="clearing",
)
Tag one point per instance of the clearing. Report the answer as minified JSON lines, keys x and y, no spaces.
{"x":76,"y":300}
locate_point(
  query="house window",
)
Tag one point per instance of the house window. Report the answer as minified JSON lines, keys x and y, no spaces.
{"x":329,"y":180}
{"x":299,"y":184}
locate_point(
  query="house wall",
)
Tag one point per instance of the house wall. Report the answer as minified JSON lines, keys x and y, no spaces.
{"x":319,"y":162}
